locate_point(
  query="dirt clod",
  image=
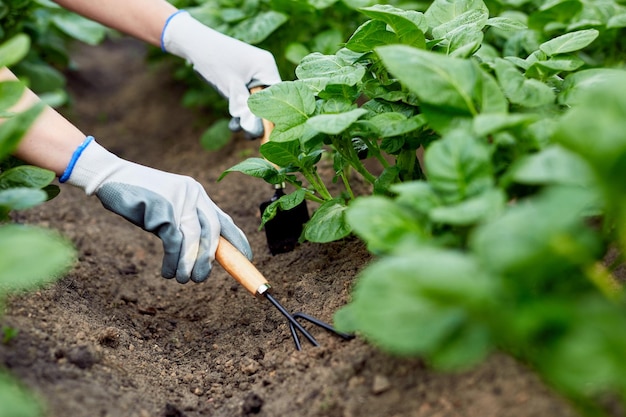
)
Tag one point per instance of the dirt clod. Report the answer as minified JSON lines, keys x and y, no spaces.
{"x":252,"y":404}
{"x":82,"y":356}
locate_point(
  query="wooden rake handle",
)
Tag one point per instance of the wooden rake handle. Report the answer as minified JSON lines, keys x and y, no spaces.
{"x":240,"y":268}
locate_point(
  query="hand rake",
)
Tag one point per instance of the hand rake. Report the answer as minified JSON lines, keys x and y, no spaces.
{"x":240,"y":268}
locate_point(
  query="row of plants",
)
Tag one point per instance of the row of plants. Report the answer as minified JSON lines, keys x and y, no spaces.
{"x":498,"y":242}
{"x":29,"y":257}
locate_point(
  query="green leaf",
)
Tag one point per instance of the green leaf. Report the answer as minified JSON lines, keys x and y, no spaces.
{"x":30,"y":257}
{"x":470,"y":20}
{"x":578,"y":86}
{"x":14,"y":50}
{"x":519,"y":90}
{"x":317,"y":71}
{"x":256,"y":167}
{"x":16,"y":400}
{"x":21,"y":198}
{"x":410,"y":305}
{"x":282,"y":154}
{"x":471,"y":211}
{"x":448,"y":83}
{"x":256,"y":29}
{"x":216,"y":136}
{"x":383,"y":224}
{"x":10,"y":94}
{"x":505,"y":24}
{"x":553,"y":11}
{"x":553,"y":165}
{"x":77,"y":27}
{"x":409,"y":25}
{"x":458,"y":167}
{"x":12,"y":130}
{"x":285,"y":202}
{"x":395,"y":124}
{"x":287,"y":104}
{"x":569,"y":42}
{"x":553,"y":66}
{"x":369,"y":35}
{"x":488,"y":124}
{"x":333,"y":124}
{"x":327,"y":223}
{"x":26,"y":176}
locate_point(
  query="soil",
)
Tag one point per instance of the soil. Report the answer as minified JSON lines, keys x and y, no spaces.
{"x":113,"y":338}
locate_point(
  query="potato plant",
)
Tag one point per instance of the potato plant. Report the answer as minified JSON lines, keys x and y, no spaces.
{"x":497,"y":242}
{"x":29,"y":256}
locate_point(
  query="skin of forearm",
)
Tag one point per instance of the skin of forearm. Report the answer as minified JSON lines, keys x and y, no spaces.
{"x":142,"y":19}
{"x":51,"y":140}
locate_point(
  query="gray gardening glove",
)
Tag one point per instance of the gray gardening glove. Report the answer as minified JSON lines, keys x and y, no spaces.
{"x":174,"y":207}
{"x":228,"y":64}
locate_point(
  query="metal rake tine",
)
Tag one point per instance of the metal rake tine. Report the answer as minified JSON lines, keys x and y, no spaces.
{"x":323,"y":325}
{"x":292,"y":322}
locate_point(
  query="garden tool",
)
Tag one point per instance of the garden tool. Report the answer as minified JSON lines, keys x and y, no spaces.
{"x":283,"y":231}
{"x":244,"y":272}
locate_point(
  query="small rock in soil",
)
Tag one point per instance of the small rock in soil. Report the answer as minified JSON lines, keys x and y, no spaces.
{"x":380,"y":384}
{"x":81,"y":356}
{"x":172,"y":411}
{"x":109,"y":337}
{"x":252,"y":404}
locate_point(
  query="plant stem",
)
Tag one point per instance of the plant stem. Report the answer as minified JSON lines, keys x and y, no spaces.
{"x":344,"y":178}
{"x":373,"y":147}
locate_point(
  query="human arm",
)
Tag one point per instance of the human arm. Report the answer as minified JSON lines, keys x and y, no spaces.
{"x":229,"y":65}
{"x":176,"y":208}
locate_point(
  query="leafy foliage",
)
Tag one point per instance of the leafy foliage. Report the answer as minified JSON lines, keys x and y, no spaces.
{"x":22,"y":186}
{"x":491,"y":245}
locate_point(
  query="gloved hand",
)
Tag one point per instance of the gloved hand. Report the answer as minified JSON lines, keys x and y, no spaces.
{"x":231,"y":66}
{"x":174,"y":207}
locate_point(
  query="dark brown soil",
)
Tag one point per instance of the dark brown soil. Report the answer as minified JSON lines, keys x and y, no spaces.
{"x":113,"y":338}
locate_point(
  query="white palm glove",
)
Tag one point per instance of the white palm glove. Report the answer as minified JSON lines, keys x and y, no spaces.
{"x":174,"y":207}
{"x":231,"y":66}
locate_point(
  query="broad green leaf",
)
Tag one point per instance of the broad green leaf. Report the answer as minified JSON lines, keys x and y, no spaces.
{"x":418,"y":195}
{"x":445,"y":82}
{"x":12,"y":130}
{"x":321,"y":4}
{"x":16,"y":400}
{"x":618,"y":21}
{"x":553,"y":66}
{"x":25,"y":176}
{"x":487,"y":124}
{"x":472,"y":210}
{"x":216,"y":136}
{"x":553,"y":165}
{"x":579,"y":85}
{"x":41,"y":76}
{"x":285,"y":202}
{"x":369,"y":35}
{"x":295,"y":52}
{"x":79,"y":28}
{"x":505,"y":24}
{"x":20,"y":198}
{"x":334,"y":124}
{"x":459,"y":167}
{"x":537,"y":238}
{"x":570,"y":42}
{"x":464,"y":41}
{"x":327,"y":223}
{"x":395,"y":124}
{"x":256,"y":167}
{"x":13,"y":50}
{"x":411,"y":305}
{"x":409,"y":25}
{"x":473,"y":19}
{"x":444,"y":11}
{"x":256,"y":29}
{"x":317,"y":71}
{"x":382,"y":224}
{"x":30,"y":257}
{"x":287,"y":104}
{"x":519,"y":90}
{"x":282,"y":154}
{"x":10,"y":93}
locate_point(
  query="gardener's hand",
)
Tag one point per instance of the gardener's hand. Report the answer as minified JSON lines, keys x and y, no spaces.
{"x":173,"y":207}
{"x":231,"y":66}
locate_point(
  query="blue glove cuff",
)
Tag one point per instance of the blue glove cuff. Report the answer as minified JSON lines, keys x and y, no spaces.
{"x":167,"y":22}
{"x":70,"y":167}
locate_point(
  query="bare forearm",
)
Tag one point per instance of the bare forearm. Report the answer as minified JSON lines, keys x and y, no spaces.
{"x":142,"y":19}
{"x":51,"y":140}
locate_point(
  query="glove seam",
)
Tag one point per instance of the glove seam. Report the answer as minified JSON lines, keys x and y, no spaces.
{"x":77,"y":153}
{"x":167,"y":22}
